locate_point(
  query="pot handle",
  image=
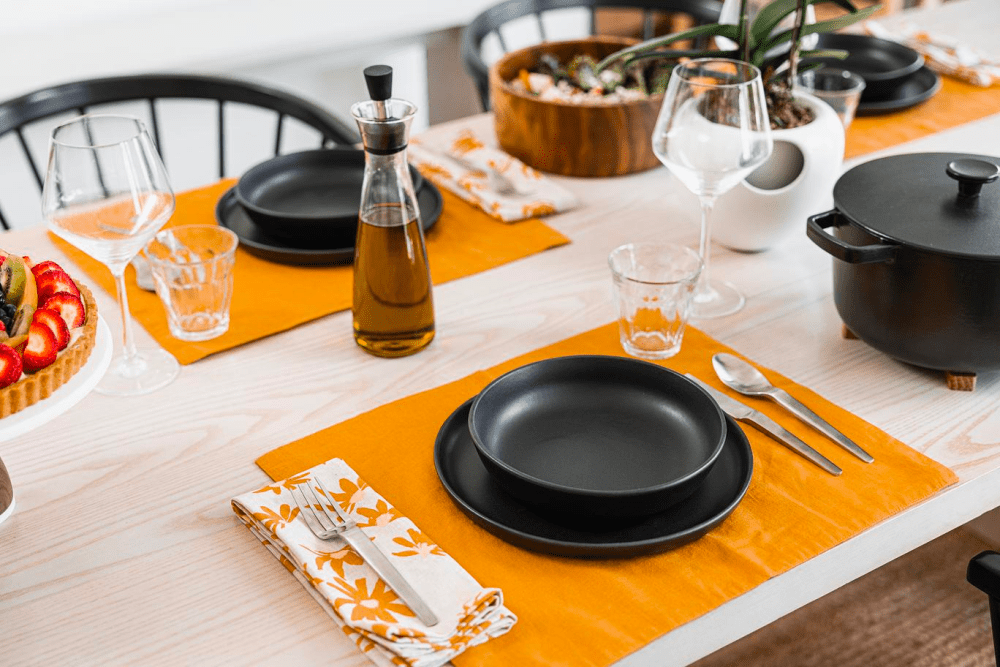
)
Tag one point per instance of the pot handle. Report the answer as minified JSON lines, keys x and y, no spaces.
{"x":845,"y":252}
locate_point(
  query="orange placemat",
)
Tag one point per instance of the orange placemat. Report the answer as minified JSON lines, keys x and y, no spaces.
{"x":593,"y":612}
{"x":956,"y":103}
{"x":464,"y":241}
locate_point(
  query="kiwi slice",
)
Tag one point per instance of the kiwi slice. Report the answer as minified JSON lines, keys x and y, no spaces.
{"x":13,"y":278}
{"x":18,"y":283}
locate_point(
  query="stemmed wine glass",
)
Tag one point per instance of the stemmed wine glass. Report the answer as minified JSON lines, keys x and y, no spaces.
{"x":107,"y":193}
{"x":712,"y":132}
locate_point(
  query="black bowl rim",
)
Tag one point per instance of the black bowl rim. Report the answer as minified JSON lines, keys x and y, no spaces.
{"x":251,"y":208}
{"x":876,"y":78}
{"x":271,"y":216}
{"x":592,"y":494}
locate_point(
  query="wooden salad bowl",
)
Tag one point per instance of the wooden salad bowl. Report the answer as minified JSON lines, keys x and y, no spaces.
{"x":571,"y":139}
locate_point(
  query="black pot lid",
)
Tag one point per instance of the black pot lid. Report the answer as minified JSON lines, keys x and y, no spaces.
{"x":946,"y":203}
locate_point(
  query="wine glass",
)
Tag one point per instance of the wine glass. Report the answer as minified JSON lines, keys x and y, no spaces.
{"x":712,"y":132}
{"x":107,"y":193}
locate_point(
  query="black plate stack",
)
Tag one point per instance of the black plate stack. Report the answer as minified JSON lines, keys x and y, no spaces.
{"x":302,"y":208}
{"x":594,"y":456}
{"x":895,"y":75}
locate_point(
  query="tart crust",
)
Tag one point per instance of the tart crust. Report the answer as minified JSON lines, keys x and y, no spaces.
{"x":38,"y":386}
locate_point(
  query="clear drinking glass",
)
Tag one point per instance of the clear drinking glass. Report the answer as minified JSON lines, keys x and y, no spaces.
{"x":653,"y":284}
{"x":192,"y":267}
{"x":837,"y":87}
{"x":107,"y":193}
{"x":712,"y":132}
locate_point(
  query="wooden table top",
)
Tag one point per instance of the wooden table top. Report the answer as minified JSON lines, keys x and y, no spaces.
{"x":124,"y":550}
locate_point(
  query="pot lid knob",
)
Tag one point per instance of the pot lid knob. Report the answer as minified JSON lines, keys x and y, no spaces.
{"x":972,"y":175}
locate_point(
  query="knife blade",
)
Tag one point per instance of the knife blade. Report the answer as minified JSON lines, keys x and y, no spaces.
{"x":745,"y":413}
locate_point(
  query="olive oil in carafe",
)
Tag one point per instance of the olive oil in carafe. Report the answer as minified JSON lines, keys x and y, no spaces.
{"x":393,"y":306}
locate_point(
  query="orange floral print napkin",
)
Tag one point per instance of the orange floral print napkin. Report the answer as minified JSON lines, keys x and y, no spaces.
{"x":367,"y":610}
{"x":461,"y":162}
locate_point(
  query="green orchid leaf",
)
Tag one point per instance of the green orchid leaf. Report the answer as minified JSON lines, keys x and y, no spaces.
{"x":673,"y":54}
{"x":829,"y":25}
{"x":730,"y":32}
{"x":839,"y":54}
{"x":778,"y":62}
{"x":773,"y":14}
{"x":810,"y":67}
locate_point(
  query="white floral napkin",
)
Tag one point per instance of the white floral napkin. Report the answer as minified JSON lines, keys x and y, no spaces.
{"x":461,"y":162}
{"x":367,"y":610}
{"x":942,"y":53}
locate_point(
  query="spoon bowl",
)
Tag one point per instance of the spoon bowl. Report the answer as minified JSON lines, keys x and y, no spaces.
{"x":740,"y":376}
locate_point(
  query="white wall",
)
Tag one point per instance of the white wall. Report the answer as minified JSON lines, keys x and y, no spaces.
{"x":315,"y":48}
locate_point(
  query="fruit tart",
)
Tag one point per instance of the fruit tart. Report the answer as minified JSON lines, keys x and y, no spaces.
{"x":48,"y":323}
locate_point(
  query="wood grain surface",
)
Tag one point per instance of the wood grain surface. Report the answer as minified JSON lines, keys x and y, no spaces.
{"x":123,"y":549}
{"x":571,"y":139}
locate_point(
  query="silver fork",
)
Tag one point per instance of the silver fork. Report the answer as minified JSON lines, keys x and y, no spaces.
{"x":346,"y":528}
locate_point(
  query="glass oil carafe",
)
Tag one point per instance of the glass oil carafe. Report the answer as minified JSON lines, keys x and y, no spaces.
{"x":393,"y":307}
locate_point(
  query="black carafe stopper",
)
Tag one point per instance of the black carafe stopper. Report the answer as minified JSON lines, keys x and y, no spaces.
{"x":379,"y":80}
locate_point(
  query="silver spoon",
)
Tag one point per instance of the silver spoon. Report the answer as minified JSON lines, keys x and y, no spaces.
{"x":740,"y":376}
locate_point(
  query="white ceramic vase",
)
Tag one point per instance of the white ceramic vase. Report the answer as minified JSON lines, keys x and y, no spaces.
{"x":796,"y":182}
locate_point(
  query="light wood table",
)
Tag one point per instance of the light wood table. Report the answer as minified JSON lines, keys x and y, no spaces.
{"x":124,"y":550}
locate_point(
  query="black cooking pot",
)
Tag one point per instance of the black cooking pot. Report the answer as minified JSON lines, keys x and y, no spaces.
{"x":917,"y":239}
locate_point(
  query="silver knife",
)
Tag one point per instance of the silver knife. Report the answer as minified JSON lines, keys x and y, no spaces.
{"x":742,"y":412}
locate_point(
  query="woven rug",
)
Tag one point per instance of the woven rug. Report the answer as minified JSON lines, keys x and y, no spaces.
{"x":917,"y":611}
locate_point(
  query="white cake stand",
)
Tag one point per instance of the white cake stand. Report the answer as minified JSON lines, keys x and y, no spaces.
{"x":63,"y":398}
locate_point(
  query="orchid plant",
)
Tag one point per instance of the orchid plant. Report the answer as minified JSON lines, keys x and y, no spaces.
{"x":761,"y":43}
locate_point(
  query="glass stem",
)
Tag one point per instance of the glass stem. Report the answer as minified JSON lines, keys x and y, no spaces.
{"x":129,"y":353}
{"x":704,"y":243}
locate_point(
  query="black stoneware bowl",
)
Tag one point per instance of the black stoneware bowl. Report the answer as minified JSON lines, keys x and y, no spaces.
{"x":308,"y":197}
{"x":597,"y":436}
{"x":883,"y":64}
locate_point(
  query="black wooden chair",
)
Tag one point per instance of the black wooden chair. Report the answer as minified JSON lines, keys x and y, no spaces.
{"x":83,"y":96}
{"x":984,"y":574}
{"x":491,"y":20}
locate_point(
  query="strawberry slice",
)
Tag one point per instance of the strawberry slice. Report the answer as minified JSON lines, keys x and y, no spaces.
{"x":10,"y":366}
{"x":40,"y":350}
{"x":45,"y":267}
{"x":68,"y":306}
{"x":54,"y":282}
{"x":55,"y":323}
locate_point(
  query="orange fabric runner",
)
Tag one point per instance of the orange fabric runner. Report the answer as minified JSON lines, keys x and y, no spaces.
{"x":956,"y":103}
{"x":464,"y":241}
{"x":593,"y":612}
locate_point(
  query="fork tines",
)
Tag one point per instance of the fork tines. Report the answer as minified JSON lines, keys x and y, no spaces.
{"x":323,"y":532}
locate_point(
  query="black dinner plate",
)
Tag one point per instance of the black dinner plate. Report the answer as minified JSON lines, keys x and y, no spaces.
{"x":879,"y":62}
{"x":479,"y":496}
{"x":254,"y":240}
{"x":910,"y":91}
{"x":303,"y":195}
{"x":597,"y":435}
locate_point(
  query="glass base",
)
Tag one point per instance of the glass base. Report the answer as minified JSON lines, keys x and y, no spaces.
{"x":152,"y":369}
{"x":716,"y":299}
{"x":653,"y":345}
